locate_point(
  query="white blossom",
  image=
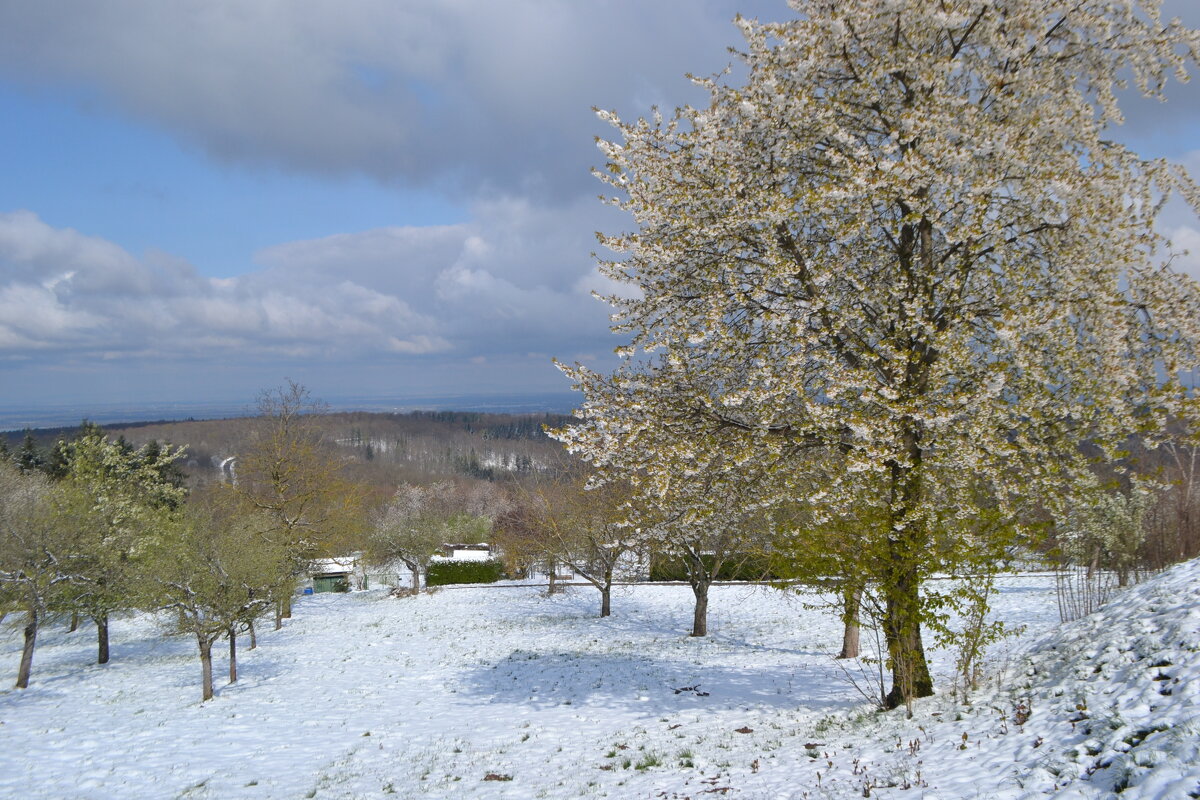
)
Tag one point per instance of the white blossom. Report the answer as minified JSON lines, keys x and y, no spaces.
{"x":909,"y":249}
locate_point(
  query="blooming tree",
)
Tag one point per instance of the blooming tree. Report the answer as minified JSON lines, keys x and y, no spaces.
{"x":417,"y":521}
{"x":128,"y":494}
{"x":903,"y":263}
{"x":1105,"y":530}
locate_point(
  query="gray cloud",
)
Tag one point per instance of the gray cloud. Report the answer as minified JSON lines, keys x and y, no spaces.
{"x":463,"y":92}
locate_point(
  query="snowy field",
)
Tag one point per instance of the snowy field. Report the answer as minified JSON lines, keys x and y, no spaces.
{"x":507,"y":693}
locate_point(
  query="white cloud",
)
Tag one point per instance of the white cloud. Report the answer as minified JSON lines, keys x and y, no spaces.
{"x":420,"y":345}
{"x":1192,"y":162}
{"x":380,"y":294}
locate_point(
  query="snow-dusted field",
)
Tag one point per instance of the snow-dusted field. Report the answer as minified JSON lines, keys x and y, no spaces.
{"x":504,"y":692}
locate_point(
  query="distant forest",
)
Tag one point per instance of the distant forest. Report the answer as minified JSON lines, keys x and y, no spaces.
{"x":385,"y":449}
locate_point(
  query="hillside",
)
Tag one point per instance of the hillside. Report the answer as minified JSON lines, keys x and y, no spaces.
{"x":364,"y":695}
{"x":385,"y":448}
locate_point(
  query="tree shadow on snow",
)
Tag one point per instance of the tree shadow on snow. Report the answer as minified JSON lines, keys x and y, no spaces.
{"x":655,"y":685}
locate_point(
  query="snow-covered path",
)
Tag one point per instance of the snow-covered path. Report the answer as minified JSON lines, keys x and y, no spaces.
{"x":485,"y":692}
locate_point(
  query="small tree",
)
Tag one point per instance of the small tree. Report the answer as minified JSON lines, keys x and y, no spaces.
{"x":29,"y":457}
{"x":36,"y":543}
{"x":216,"y":572}
{"x":707,"y":544}
{"x":1105,"y":530}
{"x":406,"y":529}
{"x":702,"y":519}
{"x":417,"y":520}
{"x":287,"y":473}
{"x":583,"y":528}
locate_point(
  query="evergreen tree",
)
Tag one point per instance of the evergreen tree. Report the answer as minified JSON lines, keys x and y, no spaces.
{"x":29,"y":456}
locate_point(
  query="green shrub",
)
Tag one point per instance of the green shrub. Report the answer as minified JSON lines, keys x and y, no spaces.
{"x":734,"y":568}
{"x":442,"y":573}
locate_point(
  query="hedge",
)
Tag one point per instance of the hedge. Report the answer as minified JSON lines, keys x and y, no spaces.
{"x":734,"y":568}
{"x":442,"y":573}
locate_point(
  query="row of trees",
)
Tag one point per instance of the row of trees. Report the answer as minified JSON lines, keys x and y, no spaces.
{"x":113,"y":530}
{"x":102,"y":528}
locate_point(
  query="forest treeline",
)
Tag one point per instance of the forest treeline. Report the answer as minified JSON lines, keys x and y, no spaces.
{"x":384,"y":448}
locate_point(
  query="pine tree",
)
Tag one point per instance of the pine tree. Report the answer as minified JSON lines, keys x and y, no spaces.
{"x":29,"y":456}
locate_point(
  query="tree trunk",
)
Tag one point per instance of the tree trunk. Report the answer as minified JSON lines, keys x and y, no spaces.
{"x":605,"y":600}
{"x":700,"y":614}
{"x":74,"y":622}
{"x":287,"y":606}
{"x":901,"y":582}
{"x":278,"y":614}
{"x":851,"y":602}
{"x":902,"y":628}
{"x":101,"y":621}
{"x":206,"y":686}
{"x":551,"y":569}
{"x":253,"y":635}
{"x":31,"y":629}
{"x":233,"y":654}
{"x":416,"y":579}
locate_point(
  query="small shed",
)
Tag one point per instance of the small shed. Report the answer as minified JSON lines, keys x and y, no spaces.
{"x":335,"y":574}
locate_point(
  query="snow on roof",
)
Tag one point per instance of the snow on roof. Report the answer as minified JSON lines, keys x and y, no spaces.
{"x":329,"y":566}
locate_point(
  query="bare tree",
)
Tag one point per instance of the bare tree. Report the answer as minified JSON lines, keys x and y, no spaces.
{"x":289,"y":474}
{"x":565,"y":522}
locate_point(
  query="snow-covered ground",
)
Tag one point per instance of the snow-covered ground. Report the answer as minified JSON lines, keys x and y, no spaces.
{"x":507,"y":693}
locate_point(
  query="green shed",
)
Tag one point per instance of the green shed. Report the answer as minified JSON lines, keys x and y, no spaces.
{"x":334,"y":582}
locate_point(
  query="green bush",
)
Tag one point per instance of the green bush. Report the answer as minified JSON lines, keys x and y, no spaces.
{"x":442,"y":573}
{"x":734,"y":568}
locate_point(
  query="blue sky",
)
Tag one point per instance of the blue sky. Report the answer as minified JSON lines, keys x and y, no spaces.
{"x":202,"y":197}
